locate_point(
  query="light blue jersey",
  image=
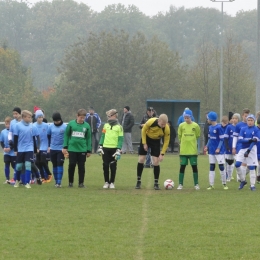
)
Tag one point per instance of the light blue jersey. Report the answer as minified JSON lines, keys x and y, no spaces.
{"x":12,"y":127}
{"x":4,"y":139}
{"x":25,"y":132}
{"x":57,"y":136}
{"x":42,"y":129}
{"x":215,"y":136}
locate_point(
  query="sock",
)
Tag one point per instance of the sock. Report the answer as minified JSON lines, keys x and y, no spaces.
{"x":181,"y":177}
{"x":23,"y":177}
{"x":258,"y":170}
{"x":252,"y":177}
{"x":140,"y":167}
{"x":18,"y":175}
{"x":229,"y":171}
{"x":239,"y":173}
{"x":55,"y":169}
{"x":232,"y":166}
{"x":156,"y":172}
{"x":59,"y":174}
{"x":223,"y":176}
{"x":196,"y":178}
{"x":27,"y":176}
{"x":211,"y":177}
{"x":15,"y":175}
{"x":7,"y":172}
{"x":243,"y":168}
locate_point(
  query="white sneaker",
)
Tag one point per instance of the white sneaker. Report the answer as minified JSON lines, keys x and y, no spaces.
{"x":111,"y":186}
{"x":197,"y":187}
{"x":106,"y":185}
{"x":16,"y":185}
{"x":28,"y":186}
{"x":6,"y":182}
{"x":180,"y":187}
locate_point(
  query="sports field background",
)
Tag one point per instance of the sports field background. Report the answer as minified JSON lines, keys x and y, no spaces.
{"x":92,"y":223}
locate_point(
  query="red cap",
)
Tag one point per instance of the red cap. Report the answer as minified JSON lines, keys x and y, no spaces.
{"x":36,"y":108}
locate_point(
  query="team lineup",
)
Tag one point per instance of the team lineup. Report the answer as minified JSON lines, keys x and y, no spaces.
{"x":28,"y":146}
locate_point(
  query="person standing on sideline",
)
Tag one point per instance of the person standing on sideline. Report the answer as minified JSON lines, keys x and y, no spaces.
{"x":127,"y":124}
{"x":188,"y":134}
{"x":77,"y":145}
{"x":206,"y":130}
{"x":152,"y":132}
{"x":150,"y":113}
{"x":172,"y":136}
{"x":215,"y":150}
{"x":55,"y":133}
{"x":94,"y":121}
{"x":110,"y":146}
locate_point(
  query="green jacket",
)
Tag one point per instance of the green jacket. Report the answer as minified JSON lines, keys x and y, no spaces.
{"x":77,"y":137}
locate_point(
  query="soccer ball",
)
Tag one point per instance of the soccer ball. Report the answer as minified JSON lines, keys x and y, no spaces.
{"x":168,"y":184}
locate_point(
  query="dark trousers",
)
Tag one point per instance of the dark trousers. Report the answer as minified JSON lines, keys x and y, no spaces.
{"x":41,"y":163}
{"x":109,"y":162}
{"x":77,"y":158}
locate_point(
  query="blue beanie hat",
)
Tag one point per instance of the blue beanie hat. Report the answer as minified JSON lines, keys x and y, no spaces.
{"x":251,"y":116}
{"x":38,"y":113}
{"x":212,"y":116}
{"x":187,"y":112}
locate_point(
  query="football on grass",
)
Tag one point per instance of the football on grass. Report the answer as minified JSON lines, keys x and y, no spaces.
{"x":168,"y":184}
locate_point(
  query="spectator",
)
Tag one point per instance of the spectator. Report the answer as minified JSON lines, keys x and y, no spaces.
{"x":94,"y":121}
{"x":172,"y":136}
{"x":206,"y":130}
{"x":127,"y":124}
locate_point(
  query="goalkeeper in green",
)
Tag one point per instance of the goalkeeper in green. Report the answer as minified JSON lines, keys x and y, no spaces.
{"x":77,"y":146}
{"x":110,"y":146}
{"x":188,"y":134}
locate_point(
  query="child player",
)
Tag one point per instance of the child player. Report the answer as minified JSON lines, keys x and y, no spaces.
{"x":9,"y":156}
{"x":25,"y":135}
{"x":228,"y":140}
{"x":41,"y":155}
{"x":247,"y":154}
{"x":188,"y":134}
{"x":110,"y":146}
{"x":55,"y":134}
{"x":152,"y":132}
{"x":77,"y":145}
{"x":215,"y":150}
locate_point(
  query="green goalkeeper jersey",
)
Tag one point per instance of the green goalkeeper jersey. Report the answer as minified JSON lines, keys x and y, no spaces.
{"x":188,"y":135}
{"x":77,"y":137}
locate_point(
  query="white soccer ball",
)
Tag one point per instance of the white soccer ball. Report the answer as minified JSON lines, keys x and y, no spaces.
{"x":168,"y":184}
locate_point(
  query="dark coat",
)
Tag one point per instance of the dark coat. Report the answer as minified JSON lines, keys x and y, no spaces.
{"x":128,"y":122}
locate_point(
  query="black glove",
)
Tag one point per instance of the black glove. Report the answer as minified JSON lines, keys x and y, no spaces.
{"x":247,"y":153}
{"x":253,"y":140}
{"x":11,"y":144}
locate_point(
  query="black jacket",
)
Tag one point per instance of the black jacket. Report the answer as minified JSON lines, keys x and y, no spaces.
{"x":128,"y":122}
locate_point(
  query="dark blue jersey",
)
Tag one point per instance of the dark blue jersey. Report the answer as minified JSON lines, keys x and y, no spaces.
{"x":246,"y":134}
{"x":229,"y":137}
{"x":236,"y":133}
{"x":216,"y":135}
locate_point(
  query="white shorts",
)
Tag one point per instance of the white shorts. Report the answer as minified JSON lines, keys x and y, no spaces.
{"x":229,"y":157}
{"x":219,"y":158}
{"x":251,"y":160}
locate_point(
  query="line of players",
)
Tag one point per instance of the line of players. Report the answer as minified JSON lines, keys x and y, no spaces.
{"x":237,"y":144}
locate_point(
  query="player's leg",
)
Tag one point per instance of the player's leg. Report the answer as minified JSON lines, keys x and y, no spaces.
{"x":140,"y":164}
{"x":39,"y":165}
{"x":19,"y":168}
{"x":212,"y":165}
{"x":71,"y":167}
{"x":54,"y":161}
{"x":194,"y":166}
{"x":106,"y":160}
{"x":7,"y":162}
{"x":113,"y":167}
{"x":251,"y":162}
{"x":155,"y":152}
{"x":183,"y":163}
{"x":44,"y":162}
{"x":221,"y":160}
{"x":60,"y":162}
{"x":81,"y":168}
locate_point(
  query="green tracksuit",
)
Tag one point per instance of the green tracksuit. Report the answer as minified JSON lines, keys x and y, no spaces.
{"x":77,"y":137}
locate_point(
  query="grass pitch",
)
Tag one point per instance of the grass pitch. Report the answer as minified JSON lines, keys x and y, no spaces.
{"x":49,"y":223}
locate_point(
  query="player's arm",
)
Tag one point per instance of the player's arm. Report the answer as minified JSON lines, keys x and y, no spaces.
{"x":36,"y":143}
{"x":166,"y":140}
{"x":120,"y":138}
{"x":144,"y":130}
{"x":15,"y":143}
{"x":88,"y":140}
{"x":67,"y":134}
{"x":179,"y":133}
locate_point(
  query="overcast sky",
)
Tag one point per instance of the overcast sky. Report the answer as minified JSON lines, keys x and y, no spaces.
{"x":153,"y":7}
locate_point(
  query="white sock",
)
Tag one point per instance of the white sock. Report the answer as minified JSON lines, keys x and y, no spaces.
{"x":258,"y":170}
{"x":239,"y":173}
{"x":211,"y":177}
{"x":243,"y":169}
{"x":232,"y":169}
{"x":223,"y":176}
{"x":229,"y":171}
{"x":252,"y":177}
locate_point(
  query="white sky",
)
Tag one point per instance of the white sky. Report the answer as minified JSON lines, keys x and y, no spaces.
{"x":152,"y":7}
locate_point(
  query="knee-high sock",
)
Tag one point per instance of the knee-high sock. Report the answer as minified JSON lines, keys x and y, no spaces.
{"x":140,"y":167}
{"x":232,"y":169}
{"x":156,"y":172}
{"x":23,"y":177}
{"x":196,"y":178}
{"x":181,"y":178}
{"x":243,"y":168}
{"x":59,"y":174}
{"x":252,"y":177}
{"x":18,"y":175}
{"x":7,"y":172}
{"x":27,"y":176}
{"x":258,"y":170}
{"x":223,"y":177}
{"x":211,"y":177}
{"x":229,"y":171}
{"x":55,"y":171}
{"x":240,"y":174}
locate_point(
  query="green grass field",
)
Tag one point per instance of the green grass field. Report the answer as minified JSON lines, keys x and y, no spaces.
{"x":49,"y":223}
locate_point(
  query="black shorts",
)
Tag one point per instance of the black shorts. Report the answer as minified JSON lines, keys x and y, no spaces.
{"x":9,"y":158}
{"x":24,"y":157}
{"x":41,"y":157}
{"x":57,"y":156}
{"x":77,"y":157}
{"x":154,"y":144}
